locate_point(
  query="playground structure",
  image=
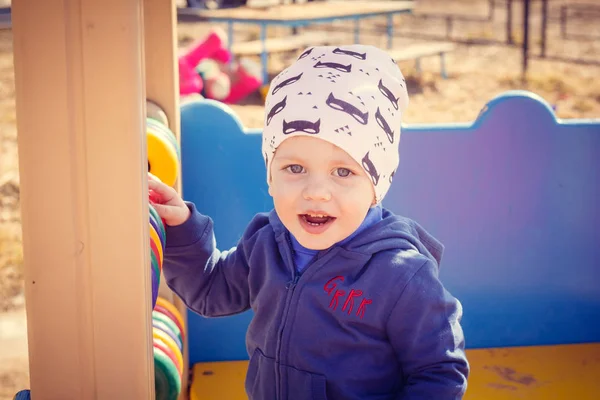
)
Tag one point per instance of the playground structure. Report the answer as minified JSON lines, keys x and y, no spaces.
{"x":513,"y":196}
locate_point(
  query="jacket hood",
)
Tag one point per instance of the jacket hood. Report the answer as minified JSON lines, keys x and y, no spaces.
{"x":397,"y":232}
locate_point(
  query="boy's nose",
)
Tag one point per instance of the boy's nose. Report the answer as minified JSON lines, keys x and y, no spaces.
{"x":317,"y":191}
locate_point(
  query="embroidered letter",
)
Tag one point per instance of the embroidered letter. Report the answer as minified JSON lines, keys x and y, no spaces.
{"x":334,"y":301}
{"x":350,"y":300}
{"x":330,"y":285}
{"x":361,"y":308}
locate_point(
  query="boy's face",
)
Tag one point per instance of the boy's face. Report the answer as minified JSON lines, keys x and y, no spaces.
{"x":320,"y":193}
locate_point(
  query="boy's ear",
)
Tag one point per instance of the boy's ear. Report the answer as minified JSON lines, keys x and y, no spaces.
{"x":270,"y":192}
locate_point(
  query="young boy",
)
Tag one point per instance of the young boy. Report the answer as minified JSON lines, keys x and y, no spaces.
{"x":346,"y":298}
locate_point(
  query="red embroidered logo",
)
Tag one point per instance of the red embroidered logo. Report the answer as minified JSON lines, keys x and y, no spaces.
{"x":337,"y":297}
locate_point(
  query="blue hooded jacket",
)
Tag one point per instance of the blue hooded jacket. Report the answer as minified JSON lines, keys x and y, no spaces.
{"x":366,"y":319}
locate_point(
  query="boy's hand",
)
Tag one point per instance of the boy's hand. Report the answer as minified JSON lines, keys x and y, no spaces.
{"x":171,"y":206}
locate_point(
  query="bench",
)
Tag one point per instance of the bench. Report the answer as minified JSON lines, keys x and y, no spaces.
{"x":268,"y":3}
{"x":420,"y":50}
{"x":282,"y":44}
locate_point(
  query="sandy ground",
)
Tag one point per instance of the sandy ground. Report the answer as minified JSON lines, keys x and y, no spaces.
{"x":477,"y":73}
{"x":13,"y":344}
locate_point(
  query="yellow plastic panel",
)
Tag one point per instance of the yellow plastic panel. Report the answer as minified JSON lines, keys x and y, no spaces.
{"x":532,"y":373}
{"x":219,"y":380}
{"x":538,"y":372}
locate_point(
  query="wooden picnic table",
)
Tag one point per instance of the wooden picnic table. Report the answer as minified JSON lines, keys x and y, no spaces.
{"x":295,"y":15}
{"x":312,"y":11}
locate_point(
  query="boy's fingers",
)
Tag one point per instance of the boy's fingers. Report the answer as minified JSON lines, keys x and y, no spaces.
{"x":160,"y":209}
{"x":153,"y":177}
{"x":171,"y":215}
{"x":165,"y":212}
{"x":163,"y":190}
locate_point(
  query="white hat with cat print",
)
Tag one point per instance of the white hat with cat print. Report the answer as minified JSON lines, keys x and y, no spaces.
{"x":352,"y":96}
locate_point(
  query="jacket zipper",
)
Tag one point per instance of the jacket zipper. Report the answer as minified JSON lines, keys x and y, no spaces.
{"x":290,"y":286}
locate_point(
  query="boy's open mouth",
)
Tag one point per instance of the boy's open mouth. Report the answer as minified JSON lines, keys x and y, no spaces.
{"x":315,"y":223}
{"x":316,"y":219}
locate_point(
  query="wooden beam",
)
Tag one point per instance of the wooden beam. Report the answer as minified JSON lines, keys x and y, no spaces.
{"x":82,"y":156}
{"x":162,"y":87}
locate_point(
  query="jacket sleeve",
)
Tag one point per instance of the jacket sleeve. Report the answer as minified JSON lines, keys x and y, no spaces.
{"x":209,"y":281}
{"x":424,"y":329}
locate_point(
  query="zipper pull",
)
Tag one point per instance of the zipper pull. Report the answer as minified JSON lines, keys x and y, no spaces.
{"x":292,"y":283}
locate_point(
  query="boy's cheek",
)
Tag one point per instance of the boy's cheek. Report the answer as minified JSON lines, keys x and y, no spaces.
{"x":283,"y":184}
{"x":280,"y":192}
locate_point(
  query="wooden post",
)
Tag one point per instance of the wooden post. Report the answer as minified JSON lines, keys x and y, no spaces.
{"x":162,"y":87}
{"x":161,"y":74}
{"x":525,"y":40}
{"x":509,"y":35}
{"x":82,"y":156}
{"x":563,"y":21}
{"x":544,"y":33}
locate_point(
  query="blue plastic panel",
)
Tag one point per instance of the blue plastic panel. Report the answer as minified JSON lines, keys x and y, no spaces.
{"x":514,"y":197}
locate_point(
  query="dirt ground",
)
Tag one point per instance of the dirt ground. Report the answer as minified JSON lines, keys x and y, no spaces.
{"x":477,"y":73}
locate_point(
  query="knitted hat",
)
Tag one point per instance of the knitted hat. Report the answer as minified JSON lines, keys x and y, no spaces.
{"x":352,"y":96}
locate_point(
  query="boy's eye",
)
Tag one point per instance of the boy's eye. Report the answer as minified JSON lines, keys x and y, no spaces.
{"x":295,"y":168}
{"x":343,"y":172}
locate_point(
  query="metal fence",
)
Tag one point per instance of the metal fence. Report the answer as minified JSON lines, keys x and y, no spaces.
{"x":571,"y":14}
{"x":541,"y":28}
